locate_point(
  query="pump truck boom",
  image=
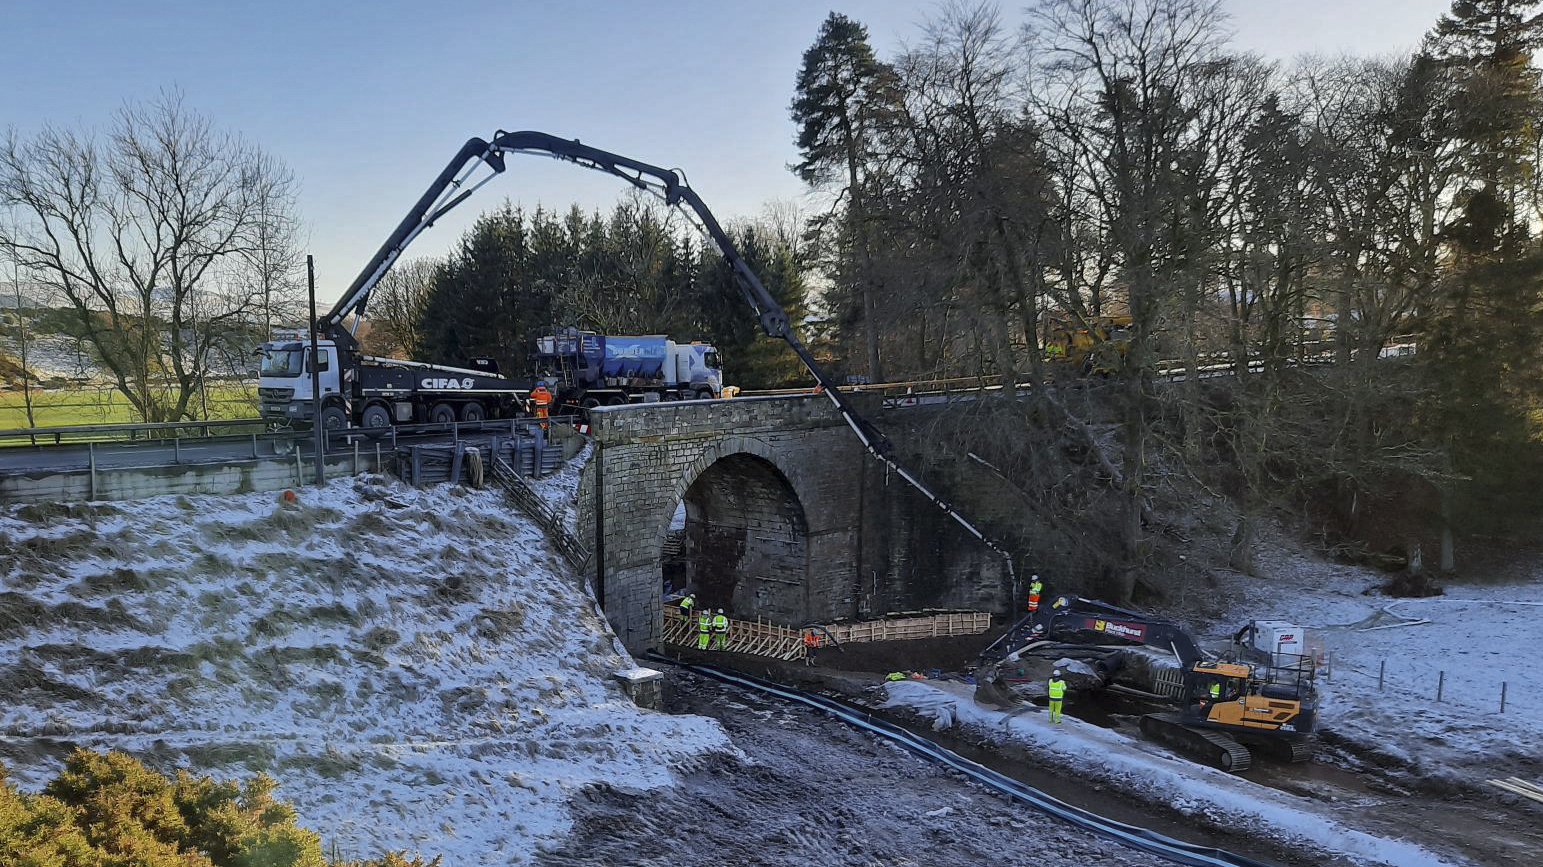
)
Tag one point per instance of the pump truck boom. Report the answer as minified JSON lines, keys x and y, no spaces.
{"x":455,"y":184}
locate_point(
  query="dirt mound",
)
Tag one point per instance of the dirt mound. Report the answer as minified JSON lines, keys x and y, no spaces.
{"x":1411,"y":585}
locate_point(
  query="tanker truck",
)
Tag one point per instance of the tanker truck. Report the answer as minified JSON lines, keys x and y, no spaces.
{"x":588,"y":369}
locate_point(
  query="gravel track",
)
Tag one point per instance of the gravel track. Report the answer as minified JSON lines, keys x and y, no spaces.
{"x":812,"y":791}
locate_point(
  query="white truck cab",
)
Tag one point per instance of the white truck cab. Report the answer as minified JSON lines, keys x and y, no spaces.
{"x":284,"y":384}
{"x":694,"y":368}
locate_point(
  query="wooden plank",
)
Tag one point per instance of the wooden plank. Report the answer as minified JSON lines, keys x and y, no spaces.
{"x":1525,"y":789}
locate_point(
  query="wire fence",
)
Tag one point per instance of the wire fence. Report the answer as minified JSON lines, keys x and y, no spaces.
{"x":1443,"y":686}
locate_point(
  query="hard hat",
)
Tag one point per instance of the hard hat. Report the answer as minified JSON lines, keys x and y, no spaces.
{"x":1056,"y":673}
{"x":1034,"y":577}
{"x":720,"y":610}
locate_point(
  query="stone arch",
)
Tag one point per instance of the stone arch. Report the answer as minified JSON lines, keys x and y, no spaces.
{"x":744,"y":546}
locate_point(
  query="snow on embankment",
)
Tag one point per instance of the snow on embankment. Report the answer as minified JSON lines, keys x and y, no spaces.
{"x":1480,"y":635}
{"x":1136,"y":766}
{"x":413,"y":666}
{"x":560,"y":490}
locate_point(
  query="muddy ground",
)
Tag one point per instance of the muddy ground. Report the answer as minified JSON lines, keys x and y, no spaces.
{"x":1362,"y":788}
{"x":812,"y":791}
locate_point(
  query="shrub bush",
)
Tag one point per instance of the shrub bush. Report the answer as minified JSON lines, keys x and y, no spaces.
{"x":109,"y":810}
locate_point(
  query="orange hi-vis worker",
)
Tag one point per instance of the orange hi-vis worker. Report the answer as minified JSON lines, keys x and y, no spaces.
{"x":541,"y":396}
{"x":1035,"y":586}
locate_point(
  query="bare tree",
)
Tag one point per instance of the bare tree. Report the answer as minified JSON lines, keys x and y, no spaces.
{"x":23,"y":343}
{"x":150,"y":235}
{"x":1126,"y":73}
{"x":397,"y":306}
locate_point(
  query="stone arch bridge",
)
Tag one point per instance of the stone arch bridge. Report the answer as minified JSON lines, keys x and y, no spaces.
{"x":766,"y":507}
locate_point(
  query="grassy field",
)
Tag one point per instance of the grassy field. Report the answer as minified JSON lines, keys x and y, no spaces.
{"x":94,"y":405}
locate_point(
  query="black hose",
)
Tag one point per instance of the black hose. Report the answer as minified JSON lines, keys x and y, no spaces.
{"x":1143,"y":839}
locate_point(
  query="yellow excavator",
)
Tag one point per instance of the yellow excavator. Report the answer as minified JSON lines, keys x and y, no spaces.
{"x":1093,"y":345}
{"x":1223,"y":706}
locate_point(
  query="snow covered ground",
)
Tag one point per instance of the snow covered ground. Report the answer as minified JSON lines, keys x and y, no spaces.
{"x":560,"y":490}
{"x":1135,"y":765}
{"x":1425,"y":753}
{"x":414,"y":666}
{"x":1480,"y":635}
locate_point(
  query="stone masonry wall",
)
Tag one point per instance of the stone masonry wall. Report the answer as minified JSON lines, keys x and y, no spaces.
{"x":870,"y":544}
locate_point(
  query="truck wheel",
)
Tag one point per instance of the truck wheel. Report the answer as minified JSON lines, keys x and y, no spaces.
{"x":616,"y":401}
{"x":473,"y":412}
{"x":333,"y":418}
{"x":591,"y":402}
{"x":442,"y":413}
{"x":375,"y":415}
{"x":705,"y":394}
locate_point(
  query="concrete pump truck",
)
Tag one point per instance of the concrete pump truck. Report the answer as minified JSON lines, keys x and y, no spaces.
{"x":376,"y":391}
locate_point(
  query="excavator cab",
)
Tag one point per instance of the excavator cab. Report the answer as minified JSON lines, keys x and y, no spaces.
{"x":1247,"y":704}
{"x":1216,"y":682}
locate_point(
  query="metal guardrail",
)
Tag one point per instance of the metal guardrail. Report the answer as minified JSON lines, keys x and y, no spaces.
{"x":142,"y":432}
{"x":129,"y":431}
{"x":1173,"y":370}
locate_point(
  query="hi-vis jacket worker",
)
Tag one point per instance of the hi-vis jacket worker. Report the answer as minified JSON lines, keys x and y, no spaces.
{"x":1035,"y":588}
{"x":1057,"y":692}
{"x":541,"y":396}
{"x":720,"y":630}
{"x":704,"y":628}
{"x":687,"y":603}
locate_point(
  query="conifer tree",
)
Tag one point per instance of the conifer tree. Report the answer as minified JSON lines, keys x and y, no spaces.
{"x":843,"y":93}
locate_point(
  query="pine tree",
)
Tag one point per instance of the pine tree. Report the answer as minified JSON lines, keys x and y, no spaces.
{"x":751,"y":359}
{"x":481,"y":303}
{"x":844,"y":93}
{"x":1480,"y":331}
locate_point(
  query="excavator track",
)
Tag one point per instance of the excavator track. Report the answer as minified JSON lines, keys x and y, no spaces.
{"x":1207,"y":745}
{"x":1283,"y":750}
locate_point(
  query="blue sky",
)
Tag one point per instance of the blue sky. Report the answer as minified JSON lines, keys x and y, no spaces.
{"x":366,"y":101}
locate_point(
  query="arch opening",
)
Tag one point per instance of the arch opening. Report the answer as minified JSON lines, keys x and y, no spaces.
{"x":739,"y":540}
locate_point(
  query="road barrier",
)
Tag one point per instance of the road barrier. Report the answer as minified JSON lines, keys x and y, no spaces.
{"x":116,"y":432}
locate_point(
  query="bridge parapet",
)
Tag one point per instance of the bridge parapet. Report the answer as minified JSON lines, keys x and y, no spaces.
{"x":644,"y":422}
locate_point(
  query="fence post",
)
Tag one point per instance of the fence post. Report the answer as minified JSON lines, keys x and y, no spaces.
{"x":1441,"y":682}
{"x":254,"y":445}
{"x":1502,"y":696}
{"x":176,"y":449}
{"x":377,"y":456}
{"x":299,"y":469}
{"x":91,"y":453}
{"x":1382,"y":669}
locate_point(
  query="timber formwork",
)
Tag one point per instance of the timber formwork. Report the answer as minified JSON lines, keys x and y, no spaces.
{"x":745,"y":636}
{"x":761,"y":638}
{"x":911,"y":628}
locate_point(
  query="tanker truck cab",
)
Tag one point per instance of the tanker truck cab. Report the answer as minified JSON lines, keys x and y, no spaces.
{"x":698,"y":370}
{"x":284,"y":385}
